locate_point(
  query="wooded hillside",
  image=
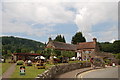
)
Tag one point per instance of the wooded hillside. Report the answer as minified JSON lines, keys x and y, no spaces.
{"x":20,"y":45}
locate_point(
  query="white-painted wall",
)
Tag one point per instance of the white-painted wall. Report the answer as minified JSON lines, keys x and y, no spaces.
{"x":78,"y":54}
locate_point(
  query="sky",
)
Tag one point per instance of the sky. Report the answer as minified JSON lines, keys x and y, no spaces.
{"x":39,"y":20}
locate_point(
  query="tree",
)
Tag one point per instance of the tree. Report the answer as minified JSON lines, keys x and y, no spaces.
{"x":77,"y":38}
{"x":47,"y":53}
{"x":64,"y":39}
{"x":110,"y":47}
{"x":106,"y":47}
{"x":24,"y":50}
{"x":59,"y":38}
{"x":38,"y":51}
{"x":116,"y":46}
{"x":18,"y":50}
{"x":68,"y":54}
{"x":57,"y":52}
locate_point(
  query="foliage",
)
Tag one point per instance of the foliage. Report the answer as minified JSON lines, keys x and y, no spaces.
{"x":20,"y":62}
{"x":107,"y":61}
{"x":110,"y":47}
{"x":77,"y":38}
{"x":47,"y":53}
{"x":118,"y":56}
{"x":59,"y":38}
{"x":38,"y":51}
{"x":19,"y":45}
{"x":116,"y":46}
{"x":68,"y":54}
{"x":57,"y":52}
{"x":106,"y":47}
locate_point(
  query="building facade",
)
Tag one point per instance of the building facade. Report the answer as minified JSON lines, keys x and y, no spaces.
{"x":83,"y":50}
{"x":86,"y":50}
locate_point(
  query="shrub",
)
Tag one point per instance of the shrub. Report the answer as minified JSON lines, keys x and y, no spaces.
{"x":118,"y":56}
{"x":29,"y":64}
{"x":119,"y":62}
{"x":20,"y":62}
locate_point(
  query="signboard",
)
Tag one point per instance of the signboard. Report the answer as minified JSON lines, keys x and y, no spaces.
{"x":22,"y":70}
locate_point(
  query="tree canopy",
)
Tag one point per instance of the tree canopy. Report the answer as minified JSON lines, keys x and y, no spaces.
{"x":60,"y":38}
{"x":77,"y":38}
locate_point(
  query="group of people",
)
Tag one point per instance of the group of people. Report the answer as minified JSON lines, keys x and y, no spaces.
{"x":84,"y":58}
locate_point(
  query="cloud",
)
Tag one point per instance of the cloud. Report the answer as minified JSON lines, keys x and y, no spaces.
{"x":112,"y":41}
{"x":21,"y":17}
{"x":25,"y":28}
{"x":91,"y":14}
{"x":108,"y":35}
{"x":43,"y":13}
{"x":17,"y":15}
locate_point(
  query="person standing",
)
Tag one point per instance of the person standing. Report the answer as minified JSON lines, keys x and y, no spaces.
{"x":92,"y":63}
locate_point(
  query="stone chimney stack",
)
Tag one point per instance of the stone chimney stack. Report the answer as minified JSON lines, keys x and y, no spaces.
{"x":94,"y":40}
{"x":50,"y":39}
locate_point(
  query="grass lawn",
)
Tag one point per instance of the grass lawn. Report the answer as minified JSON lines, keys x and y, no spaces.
{"x":31,"y":72}
{"x":4,"y":66}
{"x":74,"y":61}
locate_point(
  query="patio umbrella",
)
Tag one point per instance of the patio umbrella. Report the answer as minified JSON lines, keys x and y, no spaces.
{"x":36,"y":57}
{"x":73,"y":58}
{"x":41,"y":57}
{"x":54,"y":57}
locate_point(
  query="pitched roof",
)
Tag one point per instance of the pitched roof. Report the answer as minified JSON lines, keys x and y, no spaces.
{"x":61,"y":46}
{"x":86,"y":45}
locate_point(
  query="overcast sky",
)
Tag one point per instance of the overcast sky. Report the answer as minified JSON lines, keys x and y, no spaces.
{"x":39,"y":20}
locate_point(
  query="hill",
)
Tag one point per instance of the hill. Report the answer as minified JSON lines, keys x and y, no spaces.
{"x":11,"y":44}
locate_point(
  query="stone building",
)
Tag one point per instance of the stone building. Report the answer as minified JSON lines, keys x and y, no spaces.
{"x":85,"y":50}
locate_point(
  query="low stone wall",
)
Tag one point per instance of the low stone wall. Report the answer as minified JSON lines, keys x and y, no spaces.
{"x":59,"y":69}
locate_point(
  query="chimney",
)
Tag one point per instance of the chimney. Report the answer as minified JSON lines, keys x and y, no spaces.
{"x":94,"y":40}
{"x":50,"y":39}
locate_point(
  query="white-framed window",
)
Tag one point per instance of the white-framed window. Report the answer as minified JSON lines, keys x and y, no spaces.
{"x":86,"y":51}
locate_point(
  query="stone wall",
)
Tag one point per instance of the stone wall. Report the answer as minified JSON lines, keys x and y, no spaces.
{"x":59,"y":69}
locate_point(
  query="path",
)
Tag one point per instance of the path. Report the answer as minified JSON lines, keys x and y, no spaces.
{"x":111,"y":73}
{"x":9,"y":72}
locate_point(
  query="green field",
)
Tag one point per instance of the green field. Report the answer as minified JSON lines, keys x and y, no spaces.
{"x":31,"y":72}
{"x":5,"y":66}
